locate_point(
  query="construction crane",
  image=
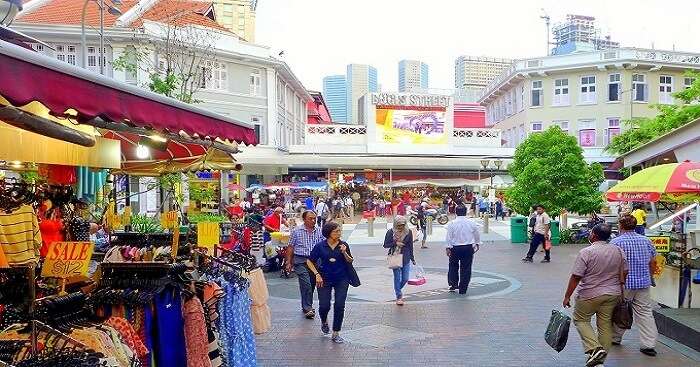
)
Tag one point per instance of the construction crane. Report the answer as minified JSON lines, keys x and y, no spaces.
{"x":546,"y":19}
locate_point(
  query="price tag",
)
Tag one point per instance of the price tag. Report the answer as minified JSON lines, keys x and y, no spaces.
{"x":208,"y":235}
{"x":169,"y":220}
{"x":662,"y":243}
{"x":67,"y":259}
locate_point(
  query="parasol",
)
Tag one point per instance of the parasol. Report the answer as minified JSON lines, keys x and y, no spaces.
{"x":673,"y":182}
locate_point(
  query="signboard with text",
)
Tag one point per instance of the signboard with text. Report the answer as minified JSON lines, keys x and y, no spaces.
{"x":67,"y":259}
{"x":661,"y":243}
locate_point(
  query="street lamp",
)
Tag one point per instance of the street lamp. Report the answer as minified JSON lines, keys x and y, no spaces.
{"x":484,"y":164}
{"x":8,"y":11}
{"x":112,"y":9}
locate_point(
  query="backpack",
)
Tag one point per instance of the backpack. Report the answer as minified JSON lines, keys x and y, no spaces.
{"x":533,"y":221}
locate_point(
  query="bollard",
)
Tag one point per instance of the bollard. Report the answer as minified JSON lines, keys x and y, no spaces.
{"x":370,"y":229}
{"x":429,"y":226}
{"x":486,"y":223}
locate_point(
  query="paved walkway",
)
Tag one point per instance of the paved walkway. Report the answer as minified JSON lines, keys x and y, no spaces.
{"x":500,"y":322}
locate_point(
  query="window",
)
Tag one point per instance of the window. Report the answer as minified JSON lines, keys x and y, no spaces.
{"x":613,"y":129}
{"x":255,"y":82}
{"x":536,"y":127}
{"x":214,"y":76}
{"x":259,"y":129}
{"x":509,"y":104}
{"x":588,"y":94}
{"x":66,"y":53}
{"x":587,"y":133}
{"x":688,"y":82}
{"x":537,"y":94}
{"x":639,"y":88}
{"x":131,"y":76}
{"x":665,"y":89}
{"x":92,"y":57}
{"x":561,"y":92}
{"x":280,"y":93}
{"x":614,"y":87}
{"x":563,"y":125}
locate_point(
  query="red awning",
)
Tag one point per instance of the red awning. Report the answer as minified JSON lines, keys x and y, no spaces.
{"x":28,"y":76}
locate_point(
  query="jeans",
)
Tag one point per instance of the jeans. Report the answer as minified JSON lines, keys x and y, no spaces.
{"x":324,"y":302}
{"x":307,"y":282}
{"x":401,"y":278}
{"x":602,"y":307}
{"x":642,"y":307}
{"x":537,"y":240}
{"x":459,"y":273}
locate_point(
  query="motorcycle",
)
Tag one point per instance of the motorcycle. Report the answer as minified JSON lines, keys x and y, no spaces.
{"x":438,"y":215}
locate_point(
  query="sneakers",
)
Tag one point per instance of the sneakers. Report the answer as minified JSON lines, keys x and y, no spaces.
{"x":597,"y":357}
{"x":310,"y":314}
{"x":545,"y":261}
{"x":651,"y":352}
{"x":338,"y":339}
{"x":453,"y":289}
{"x":399,"y":302}
{"x":527,"y":260}
{"x":325,"y":329}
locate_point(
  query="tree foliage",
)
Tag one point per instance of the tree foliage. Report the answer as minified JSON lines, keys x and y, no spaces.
{"x":548,"y":169}
{"x":643,"y":130}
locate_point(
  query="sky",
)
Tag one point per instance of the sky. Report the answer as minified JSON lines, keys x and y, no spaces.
{"x":320,"y":37}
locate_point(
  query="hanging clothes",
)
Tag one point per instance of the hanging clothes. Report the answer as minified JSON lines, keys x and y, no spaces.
{"x":235,"y":325}
{"x":196,"y":334}
{"x":170,"y":342}
{"x":20,"y":235}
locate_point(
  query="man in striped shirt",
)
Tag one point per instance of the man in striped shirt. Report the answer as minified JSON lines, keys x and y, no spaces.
{"x":301,"y":242}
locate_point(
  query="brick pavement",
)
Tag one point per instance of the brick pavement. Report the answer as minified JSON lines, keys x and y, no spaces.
{"x":502,"y":330}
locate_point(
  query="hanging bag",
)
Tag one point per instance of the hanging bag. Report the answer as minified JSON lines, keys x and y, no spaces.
{"x":353,"y":279}
{"x":622,"y":314}
{"x":557,"y":333}
{"x":416,"y":275}
{"x":394,"y":259}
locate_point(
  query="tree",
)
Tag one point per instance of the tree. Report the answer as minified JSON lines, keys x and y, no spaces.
{"x":643,"y":130}
{"x":548,"y":169}
{"x":178,"y":58}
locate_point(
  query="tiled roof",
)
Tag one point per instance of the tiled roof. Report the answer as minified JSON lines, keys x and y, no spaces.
{"x":68,"y":12}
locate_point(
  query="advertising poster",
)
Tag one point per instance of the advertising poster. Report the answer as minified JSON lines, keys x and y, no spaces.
{"x":407,"y":126}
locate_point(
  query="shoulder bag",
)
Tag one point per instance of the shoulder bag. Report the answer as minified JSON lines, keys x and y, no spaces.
{"x":394,"y":259}
{"x":353,"y":279}
{"x":622,"y":314}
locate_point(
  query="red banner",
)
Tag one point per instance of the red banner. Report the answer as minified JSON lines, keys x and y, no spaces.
{"x":633,"y":196}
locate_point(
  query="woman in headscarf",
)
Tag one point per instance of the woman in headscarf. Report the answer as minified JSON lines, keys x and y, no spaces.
{"x":400,"y":238}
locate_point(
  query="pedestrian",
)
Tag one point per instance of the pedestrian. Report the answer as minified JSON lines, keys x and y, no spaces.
{"x":598,"y":272}
{"x":301,"y":241}
{"x":641,"y":216}
{"x":349,"y":207}
{"x":328,"y":262}
{"x":422,"y":219}
{"x":640,"y":255}
{"x":272,"y":223}
{"x":399,"y":238}
{"x":462,"y":242}
{"x":540,"y":234}
{"x":499,"y":209}
{"x":323,"y":212}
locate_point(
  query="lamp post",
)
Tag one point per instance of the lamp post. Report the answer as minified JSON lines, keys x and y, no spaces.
{"x":112,"y":9}
{"x":484,"y":165}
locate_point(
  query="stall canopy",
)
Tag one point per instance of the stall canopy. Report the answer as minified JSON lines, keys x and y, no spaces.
{"x":673,"y":182}
{"x":65,"y":89}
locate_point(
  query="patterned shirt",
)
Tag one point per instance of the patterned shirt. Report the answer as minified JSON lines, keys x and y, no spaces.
{"x":303,"y":241}
{"x":639,"y":252}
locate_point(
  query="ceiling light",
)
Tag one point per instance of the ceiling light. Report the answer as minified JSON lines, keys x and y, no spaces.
{"x":158,"y":138}
{"x":142,"y":152}
{"x":667,"y":159}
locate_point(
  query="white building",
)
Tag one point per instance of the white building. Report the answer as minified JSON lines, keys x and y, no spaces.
{"x":474,"y":73}
{"x":413,"y":74}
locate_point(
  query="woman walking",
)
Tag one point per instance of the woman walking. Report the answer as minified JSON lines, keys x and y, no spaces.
{"x":330,"y":262}
{"x":400,"y":238}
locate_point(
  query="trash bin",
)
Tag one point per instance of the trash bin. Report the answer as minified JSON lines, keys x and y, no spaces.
{"x":518,"y":229}
{"x":554,"y":230}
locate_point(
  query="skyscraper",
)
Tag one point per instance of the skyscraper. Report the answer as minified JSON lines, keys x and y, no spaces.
{"x":335,"y":93}
{"x":412,"y":74}
{"x":579,"y":34}
{"x":360,"y":80}
{"x":472,"y":74}
{"x":238,"y":16}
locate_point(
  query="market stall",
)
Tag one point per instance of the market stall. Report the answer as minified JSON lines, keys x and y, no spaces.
{"x":678,"y":246}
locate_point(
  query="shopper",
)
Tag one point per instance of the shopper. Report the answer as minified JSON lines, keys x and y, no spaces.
{"x":641,"y":216}
{"x":349,"y":207}
{"x":323,"y":212}
{"x":301,"y":241}
{"x":273,"y":223}
{"x":422,"y":219}
{"x":328,"y":262}
{"x":499,"y":209}
{"x":463,"y":241}
{"x":540,"y":234}
{"x":597,"y":274}
{"x":399,"y":238}
{"x":640,"y":255}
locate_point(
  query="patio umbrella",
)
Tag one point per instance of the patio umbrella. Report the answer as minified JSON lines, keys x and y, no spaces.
{"x":673,"y":182}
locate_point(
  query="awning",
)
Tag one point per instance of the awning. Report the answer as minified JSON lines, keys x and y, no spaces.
{"x":28,"y":76}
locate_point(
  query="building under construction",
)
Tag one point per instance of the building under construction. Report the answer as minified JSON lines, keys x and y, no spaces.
{"x":579,"y":34}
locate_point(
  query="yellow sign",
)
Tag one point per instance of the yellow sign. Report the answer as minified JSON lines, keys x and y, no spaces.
{"x":662,"y":243}
{"x":67,"y":259}
{"x":208,"y":234}
{"x":659,"y":263}
{"x":169,"y":220}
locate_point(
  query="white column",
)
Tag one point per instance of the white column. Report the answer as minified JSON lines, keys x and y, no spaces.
{"x":271,"y":121}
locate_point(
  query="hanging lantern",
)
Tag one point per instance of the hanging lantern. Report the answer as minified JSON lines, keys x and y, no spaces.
{"x":8,"y":11}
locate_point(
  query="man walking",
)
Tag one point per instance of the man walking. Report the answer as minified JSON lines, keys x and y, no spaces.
{"x":301,"y":242}
{"x":598,"y":273}
{"x":540,"y":234}
{"x":640,"y":254}
{"x":462,"y":242}
{"x":322,"y":212}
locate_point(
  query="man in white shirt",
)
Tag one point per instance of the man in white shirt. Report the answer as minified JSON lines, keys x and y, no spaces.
{"x":322,"y":212}
{"x":462,"y":242}
{"x":540,"y":235}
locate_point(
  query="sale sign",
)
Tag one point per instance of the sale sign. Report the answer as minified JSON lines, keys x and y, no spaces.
{"x":67,"y":259}
{"x":661,"y":243}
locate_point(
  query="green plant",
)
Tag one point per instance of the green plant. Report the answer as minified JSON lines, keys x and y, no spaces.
{"x":142,"y":223}
{"x":548,"y":169}
{"x":203,"y":217}
{"x":202,"y":193}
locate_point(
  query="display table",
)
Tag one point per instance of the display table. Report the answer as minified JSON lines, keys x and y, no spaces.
{"x":666,"y":290}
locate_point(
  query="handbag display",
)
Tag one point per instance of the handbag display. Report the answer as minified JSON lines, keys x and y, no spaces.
{"x":394,"y":259}
{"x":622,"y":313}
{"x":557,"y":333}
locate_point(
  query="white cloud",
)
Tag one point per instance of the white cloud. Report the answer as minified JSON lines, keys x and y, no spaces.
{"x":320,"y":37}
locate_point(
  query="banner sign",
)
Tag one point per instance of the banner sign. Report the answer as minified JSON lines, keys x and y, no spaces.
{"x":399,"y":126}
{"x":208,"y":234}
{"x":661,"y":243}
{"x":67,"y":259}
